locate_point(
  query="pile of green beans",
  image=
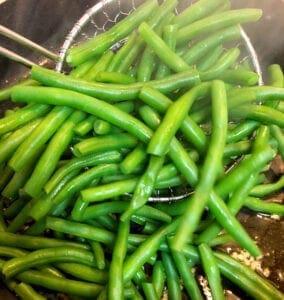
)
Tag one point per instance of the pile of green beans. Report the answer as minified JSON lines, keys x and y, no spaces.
{"x":86,"y":154}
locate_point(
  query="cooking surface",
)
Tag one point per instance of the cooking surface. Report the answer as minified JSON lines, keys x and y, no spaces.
{"x":53,"y":22}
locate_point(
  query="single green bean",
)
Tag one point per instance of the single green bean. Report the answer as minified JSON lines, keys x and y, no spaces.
{"x":260,"y":113}
{"x":263,"y":206}
{"x":145,"y":186}
{"x":133,"y":160}
{"x":81,"y":70}
{"x":240,"y":77}
{"x":84,"y":272}
{"x":43,"y":256}
{"x":85,"y":126}
{"x":164,"y":52}
{"x":119,"y":206}
{"x":217,"y":22}
{"x":242,"y":130}
{"x":277,"y":133}
{"x":187,"y":276}
{"x":99,"y":254}
{"x":196,"y":11}
{"x":103,"y":41}
{"x":115,"y":282}
{"x":80,"y":229}
{"x":100,"y":144}
{"x":268,"y":188}
{"x":24,"y":290}
{"x":172,"y":278}
{"x":212,"y":272}
{"x":36,"y":242}
{"x":62,"y":285}
{"x":158,"y":278}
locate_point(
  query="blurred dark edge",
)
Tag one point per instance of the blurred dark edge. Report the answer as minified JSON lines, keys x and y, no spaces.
{"x":47,"y":22}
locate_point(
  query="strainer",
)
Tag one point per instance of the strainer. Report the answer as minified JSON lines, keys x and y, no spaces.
{"x":104,"y":15}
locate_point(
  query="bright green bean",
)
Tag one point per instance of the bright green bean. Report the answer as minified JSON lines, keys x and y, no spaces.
{"x":100,"y":144}
{"x":103,"y":41}
{"x":80,"y":229}
{"x":263,"y":206}
{"x":49,"y":159}
{"x":158,"y":278}
{"x":85,"y":126}
{"x":217,"y":22}
{"x":211,"y":270}
{"x":115,"y":282}
{"x":39,"y":136}
{"x":200,"y":49}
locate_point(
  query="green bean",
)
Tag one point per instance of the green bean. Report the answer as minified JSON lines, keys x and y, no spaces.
{"x":39,"y":136}
{"x":189,"y":128}
{"x":99,"y":66}
{"x":5,"y":93}
{"x":102,"y":42}
{"x":211,"y":270}
{"x":81,"y":70}
{"x":237,"y":149}
{"x":33,"y":243}
{"x":242,"y":130}
{"x":133,"y":159}
{"x":158,"y":278}
{"x":112,"y":92}
{"x":24,"y":291}
{"x":217,"y":22}
{"x":63,"y":285}
{"x":172,"y":278}
{"x":115,"y":282}
{"x":145,"y":186}
{"x":169,"y":37}
{"x":49,"y":159}
{"x":78,"y":209}
{"x":84,"y":272}
{"x":80,"y":229}
{"x":196,"y":11}
{"x":164,"y":52}
{"x":41,"y":208}
{"x":240,"y":77}
{"x":79,"y":163}
{"x":119,"y":206}
{"x":13,"y":209}
{"x":85,"y":126}
{"x":22,"y":117}
{"x":12,"y":142}
{"x":104,"y":143}
{"x":97,"y":107}
{"x":99,"y":254}
{"x":246,"y":278}
{"x":215,"y":39}
{"x":263,"y":206}
{"x":221,"y":66}
{"x":43,"y":256}
{"x":259,"y":113}
{"x":185,"y":272}
{"x":173,"y":119}
{"x":277,"y":133}
{"x":269,"y":188}
{"x":210,"y":59}
{"x":210,"y":167}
